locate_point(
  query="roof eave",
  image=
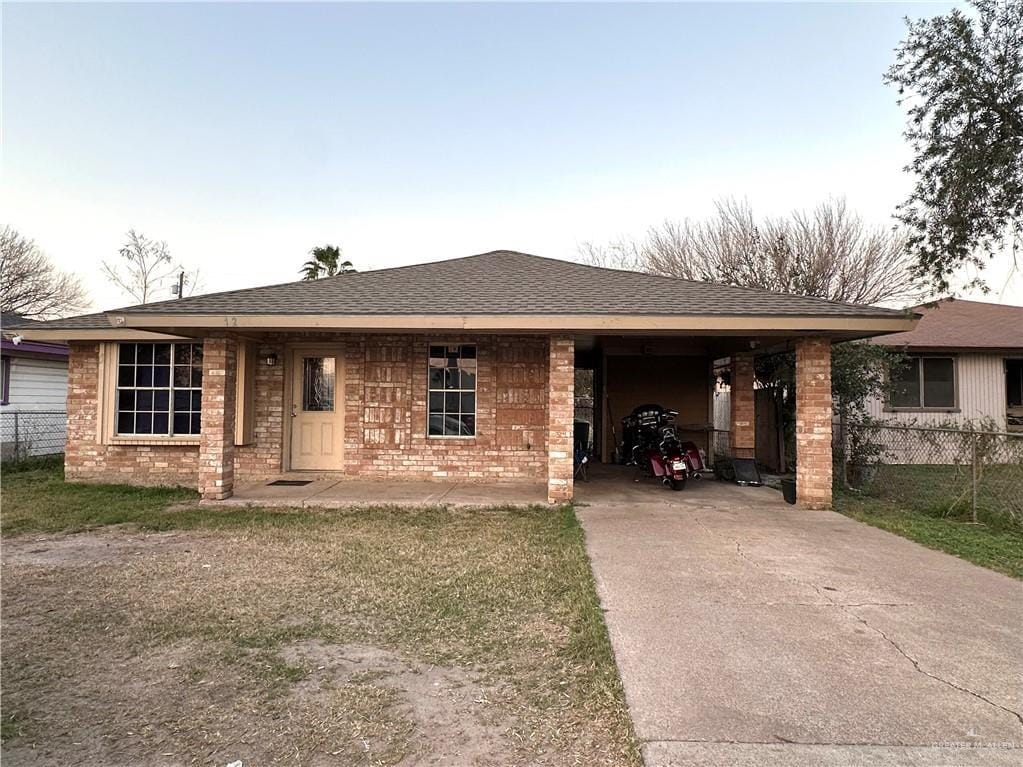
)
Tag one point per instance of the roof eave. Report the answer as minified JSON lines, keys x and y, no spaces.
{"x":865,"y":325}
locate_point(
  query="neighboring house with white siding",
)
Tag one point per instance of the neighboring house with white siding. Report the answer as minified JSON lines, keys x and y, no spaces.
{"x":965,"y":364}
{"x":33,"y":392}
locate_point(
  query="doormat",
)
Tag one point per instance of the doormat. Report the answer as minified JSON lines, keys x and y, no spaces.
{"x":290,"y":482}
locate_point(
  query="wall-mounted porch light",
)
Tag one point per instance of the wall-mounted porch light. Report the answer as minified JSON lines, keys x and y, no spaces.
{"x":270,"y":360}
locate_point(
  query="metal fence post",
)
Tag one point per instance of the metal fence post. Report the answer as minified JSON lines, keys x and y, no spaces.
{"x":17,"y":440}
{"x":973,"y":450}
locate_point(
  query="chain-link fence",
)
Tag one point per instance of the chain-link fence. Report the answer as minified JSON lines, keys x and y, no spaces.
{"x":951,"y":472}
{"x":32,"y":433}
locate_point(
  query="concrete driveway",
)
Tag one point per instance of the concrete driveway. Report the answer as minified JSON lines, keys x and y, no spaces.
{"x":749,"y":632}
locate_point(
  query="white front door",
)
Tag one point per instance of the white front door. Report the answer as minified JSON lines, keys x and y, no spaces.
{"x":317,"y":410}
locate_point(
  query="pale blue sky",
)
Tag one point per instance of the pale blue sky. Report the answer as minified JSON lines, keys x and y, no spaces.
{"x":244,"y":134}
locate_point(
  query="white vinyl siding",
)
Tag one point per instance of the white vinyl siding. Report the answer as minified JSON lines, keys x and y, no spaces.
{"x":980,"y":386}
{"x":37,"y":384}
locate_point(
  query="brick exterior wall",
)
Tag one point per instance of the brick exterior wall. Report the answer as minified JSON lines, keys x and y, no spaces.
{"x":560,"y":419}
{"x":813,"y":423}
{"x":385,"y":387}
{"x":86,"y":460}
{"x":216,"y":447}
{"x":743,"y":405}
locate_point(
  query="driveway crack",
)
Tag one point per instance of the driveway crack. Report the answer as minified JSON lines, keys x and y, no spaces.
{"x":848,"y":609}
{"x":925,"y":672}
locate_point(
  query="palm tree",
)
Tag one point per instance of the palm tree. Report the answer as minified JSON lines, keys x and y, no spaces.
{"x":325,"y":262}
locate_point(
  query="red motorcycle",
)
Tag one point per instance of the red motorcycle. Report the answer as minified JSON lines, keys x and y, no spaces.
{"x":656,"y":446}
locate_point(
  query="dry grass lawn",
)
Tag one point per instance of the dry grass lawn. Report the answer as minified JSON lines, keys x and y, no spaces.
{"x":372,"y":637}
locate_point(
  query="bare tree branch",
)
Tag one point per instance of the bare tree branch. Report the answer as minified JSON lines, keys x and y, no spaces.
{"x":146,"y":268}
{"x":30,"y":285}
{"x":828,"y":252}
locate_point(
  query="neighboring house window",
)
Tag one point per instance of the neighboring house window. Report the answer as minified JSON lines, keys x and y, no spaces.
{"x":925,"y":382}
{"x":1013,"y":383}
{"x":452,"y":391}
{"x":159,"y":389}
{"x":5,"y":380}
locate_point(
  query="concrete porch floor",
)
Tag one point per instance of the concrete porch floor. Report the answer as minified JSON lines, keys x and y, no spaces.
{"x":330,"y":491}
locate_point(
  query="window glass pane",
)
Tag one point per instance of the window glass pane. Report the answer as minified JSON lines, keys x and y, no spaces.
{"x":162,"y":354}
{"x":469,"y":425}
{"x":181,"y":421}
{"x":196,"y":423}
{"x":468,"y":403}
{"x":197,"y":401}
{"x":436,"y":378}
{"x":126,"y":375}
{"x":144,"y":354}
{"x":161,"y":375}
{"x":144,"y":375}
{"x":468,"y":380}
{"x":182,"y":376}
{"x":144,"y":400}
{"x":436,"y":401}
{"x":436,"y":425}
{"x":317,"y":383}
{"x":939,"y":382}
{"x":196,"y":377}
{"x":451,"y":402}
{"x":126,"y":423}
{"x":452,"y":426}
{"x":182,"y":354}
{"x":905,"y":385}
{"x":436,"y":352}
{"x":468,"y":352}
{"x":451,"y":379}
{"x":1014,"y":382}
{"x":126,"y":354}
{"x":196,"y":354}
{"x":161,"y":400}
{"x":143,"y":423}
{"x":160,"y":421}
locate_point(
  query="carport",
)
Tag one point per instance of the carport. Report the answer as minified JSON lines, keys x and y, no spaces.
{"x":680,"y":372}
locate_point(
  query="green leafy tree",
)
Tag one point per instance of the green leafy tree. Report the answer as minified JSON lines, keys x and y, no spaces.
{"x":859,"y":372}
{"x":961,"y":78}
{"x":325,"y":262}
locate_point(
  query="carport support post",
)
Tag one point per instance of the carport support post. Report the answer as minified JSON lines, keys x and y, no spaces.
{"x":813,"y":423}
{"x":560,"y":418}
{"x":216,"y":443}
{"x":743,"y":425}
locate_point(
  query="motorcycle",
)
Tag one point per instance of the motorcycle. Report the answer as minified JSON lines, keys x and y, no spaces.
{"x":655,"y":445}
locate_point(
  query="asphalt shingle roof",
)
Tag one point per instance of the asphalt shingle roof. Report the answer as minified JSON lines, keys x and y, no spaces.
{"x":505,"y":283}
{"x":97,"y":321}
{"x":965,"y":325}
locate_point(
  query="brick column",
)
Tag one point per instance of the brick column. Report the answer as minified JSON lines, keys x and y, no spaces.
{"x":560,"y":418}
{"x":743,"y":426}
{"x":813,"y":423}
{"x":216,"y":444}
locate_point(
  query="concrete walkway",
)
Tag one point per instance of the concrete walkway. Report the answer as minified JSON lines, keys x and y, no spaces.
{"x":333,"y":492}
{"x":749,"y":632}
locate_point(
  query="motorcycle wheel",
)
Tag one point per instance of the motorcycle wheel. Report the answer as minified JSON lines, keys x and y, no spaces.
{"x":677,"y":484}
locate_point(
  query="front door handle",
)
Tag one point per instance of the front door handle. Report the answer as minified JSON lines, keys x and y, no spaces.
{"x":294,"y":411}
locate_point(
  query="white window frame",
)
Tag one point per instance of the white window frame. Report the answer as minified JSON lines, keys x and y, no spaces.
{"x":918,"y":360}
{"x":115,"y":398}
{"x":474,"y":391}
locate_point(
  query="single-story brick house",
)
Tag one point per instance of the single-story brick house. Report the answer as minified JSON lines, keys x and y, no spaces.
{"x":454,"y":369}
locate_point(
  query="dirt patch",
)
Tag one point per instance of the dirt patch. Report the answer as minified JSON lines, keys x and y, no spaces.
{"x":455,"y":718}
{"x":367,"y":639}
{"x":107,"y":547}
